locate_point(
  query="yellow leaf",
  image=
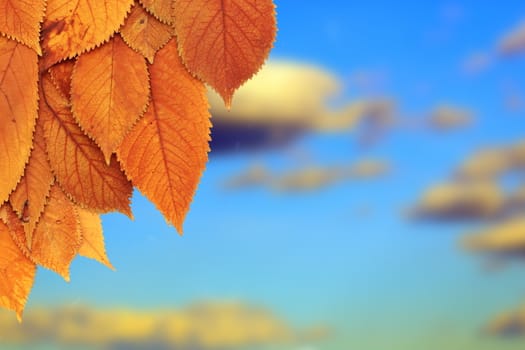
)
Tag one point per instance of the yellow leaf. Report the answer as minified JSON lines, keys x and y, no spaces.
{"x":161,"y":9}
{"x":17,"y":273}
{"x":18,"y":111}
{"x":144,"y":33}
{"x":21,"y":20}
{"x":92,"y":237}
{"x":72,"y":27}
{"x":57,"y":236}
{"x":166,"y":152}
{"x":76,"y":161}
{"x":109,"y":93}
{"x":30,"y":196}
{"x":224,"y":42}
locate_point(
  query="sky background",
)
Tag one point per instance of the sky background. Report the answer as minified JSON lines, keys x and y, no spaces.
{"x":343,"y":257}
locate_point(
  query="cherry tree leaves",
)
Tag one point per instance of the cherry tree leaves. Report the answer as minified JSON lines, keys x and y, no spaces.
{"x":98,"y":97}
{"x":18,"y":110}
{"x":166,"y":151}
{"x":239,"y":33}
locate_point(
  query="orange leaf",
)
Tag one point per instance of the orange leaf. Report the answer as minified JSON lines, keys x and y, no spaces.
{"x":161,"y":9}
{"x":109,"y":92}
{"x":61,"y":77}
{"x":224,"y":42}
{"x":92,"y":237}
{"x":17,"y":273}
{"x":76,"y":161}
{"x":144,"y":33}
{"x":30,"y":196}
{"x":16,"y":228}
{"x":18,"y":110}
{"x":72,"y":27}
{"x":21,"y":19}
{"x":57,"y":236}
{"x":165,"y":153}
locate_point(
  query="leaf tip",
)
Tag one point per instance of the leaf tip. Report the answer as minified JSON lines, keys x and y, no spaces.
{"x":65,"y":275}
{"x":178,"y":227}
{"x":227,"y":97}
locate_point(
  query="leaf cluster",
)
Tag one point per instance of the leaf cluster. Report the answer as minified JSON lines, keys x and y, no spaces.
{"x":98,"y":97}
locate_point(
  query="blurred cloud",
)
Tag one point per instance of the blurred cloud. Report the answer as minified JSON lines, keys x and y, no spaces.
{"x":493,"y":162}
{"x":448,"y":117}
{"x":477,"y":62}
{"x":509,"y":44}
{"x":507,"y":324}
{"x":308,"y":178}
{"x":505,"y":238}
{"x":513,"y":42}
{"x":201,"y":326}
{"x":459,"y":201}
{"x":477,"y":190}
{"x":284,"y":100}
{"x":368,"y":80}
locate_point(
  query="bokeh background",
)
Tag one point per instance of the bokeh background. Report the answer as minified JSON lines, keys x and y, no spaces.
{"x":366,"y":191}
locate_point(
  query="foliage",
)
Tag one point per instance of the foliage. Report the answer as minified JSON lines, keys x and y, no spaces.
{"x":98,"y":97}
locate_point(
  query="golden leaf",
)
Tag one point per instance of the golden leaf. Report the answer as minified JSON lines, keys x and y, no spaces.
{"x":92,"y":237}
{"x":57,"y":236}
{"x":161,"y":9}
{"x":224,"y":42}
{"x":30,"y":196}
{"x":21,"y":20}
{"x":109,"y":92}
{"x":17,"y":273}
{"x":144,"y":33}
{"x":76,"y":161}
{"x":18,"y":111}
{"x":72,"y":27}
{"x":165,"y":153}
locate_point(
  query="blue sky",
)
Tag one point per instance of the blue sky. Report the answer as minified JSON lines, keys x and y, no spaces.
{"x":380,"y":281}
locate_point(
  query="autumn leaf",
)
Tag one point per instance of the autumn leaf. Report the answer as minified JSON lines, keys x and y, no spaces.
{"x":57,"y":237}
{"x":92,"y":237}
{"x":72,"y":27}
{"x":60,"y":75}
{"x":144,"y":33}
{"x":109,"y":92}
{"x":85,"y":176}
{"x":30,"y":196}
{"x":86,"y":82}
{"x":17,"y":273}
{"x":165,"y":153}
{"x":161,"y":9}
{"x":21,"y":20}
{"x":18,"y":111}
{"x":224,"y":42}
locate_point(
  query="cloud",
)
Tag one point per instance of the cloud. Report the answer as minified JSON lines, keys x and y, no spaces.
{"x":255,"y":175}
{"x":477,"y":62}
{"x":459,"y":201}
{"x":308,"y":178}
{"x":505,"y":238}
{"x":284,"y":100}
{"x":479,"y":188}
{"x":493,"y":162}
{"x":508,"y":324}
{"x":448,"y":117}
{"x":513,"y":42}
{"x":201,"y":326}
{"x":509,"y":44}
